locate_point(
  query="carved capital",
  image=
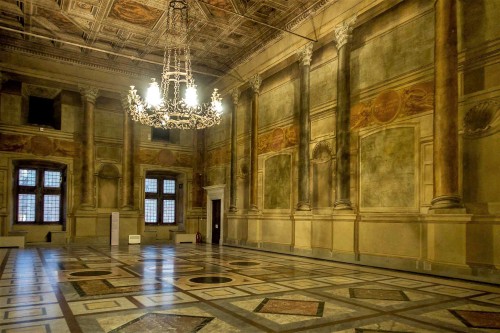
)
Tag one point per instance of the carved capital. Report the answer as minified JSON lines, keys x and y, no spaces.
{"x":89,"y":94}
{"x":235,"y":94}
{"x":343,"y":31}
{"x":305,"y":54}
{"x":255,"y":82}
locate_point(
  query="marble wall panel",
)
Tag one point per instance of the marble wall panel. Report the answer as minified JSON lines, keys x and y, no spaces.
{"x":278,"y":231}
{"x":479,"y":23}
{"x":108,"y":125}
{"x":323,"y":84}
{"x":279,"y":103}
{"x":322,"y":234}
{"x":404,"y":49}
{"x":110,"y":153}
{"x":277,"y":182}
{"x":10,"y":109}
{"x":395,"y":239}
{"x":387,"y":169}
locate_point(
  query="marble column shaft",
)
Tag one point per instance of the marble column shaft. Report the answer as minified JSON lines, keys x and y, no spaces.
{"x":89,"y":96}
{"x":255,"y":82}
{"x":343,"y":174}
{"x":234,"y":147}
{"x":305,"y":128}
{"x":446,"y":191}
{"x":127,"y":159}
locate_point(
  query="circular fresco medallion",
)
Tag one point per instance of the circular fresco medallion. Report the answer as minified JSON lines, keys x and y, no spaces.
{"x":386,"y":106}
{"x":41,"y":145}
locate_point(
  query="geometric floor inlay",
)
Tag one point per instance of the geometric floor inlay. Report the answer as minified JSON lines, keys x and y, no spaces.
{"x":291,"y":307}
{"x":478,"y":319}
{"x":103,"y":287}
{"x":204,"y":288}
{"x":157,"y":322}
{"x":211,"y":279}
{"x":90,"y":273}
{"x":382,"y":294}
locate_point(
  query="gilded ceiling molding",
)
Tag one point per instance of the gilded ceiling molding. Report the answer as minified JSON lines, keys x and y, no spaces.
{"x":343,"y":31}
{"x":305,"y":54}
{"x":318,"y":6}
{"x":262,"y":45}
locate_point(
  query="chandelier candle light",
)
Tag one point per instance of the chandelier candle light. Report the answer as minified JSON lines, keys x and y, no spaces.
{"x":164,"y":106}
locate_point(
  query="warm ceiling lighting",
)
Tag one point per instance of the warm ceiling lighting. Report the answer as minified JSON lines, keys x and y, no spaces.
{"x":174,"y":104}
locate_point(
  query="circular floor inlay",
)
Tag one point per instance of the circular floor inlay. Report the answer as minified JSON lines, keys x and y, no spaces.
{"x":90,"y":273}
{"x":244,"y":263}
{"x":211,"y":279}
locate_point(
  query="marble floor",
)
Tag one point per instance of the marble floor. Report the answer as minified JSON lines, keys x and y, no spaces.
{"x":200,"y":288}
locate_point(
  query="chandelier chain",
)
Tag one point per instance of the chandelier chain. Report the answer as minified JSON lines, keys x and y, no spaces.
{"x":164,"y":106}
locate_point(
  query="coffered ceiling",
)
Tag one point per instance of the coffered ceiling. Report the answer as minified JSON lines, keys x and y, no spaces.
{"x":131,"y":34}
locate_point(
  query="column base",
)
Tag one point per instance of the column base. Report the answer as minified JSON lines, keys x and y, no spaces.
{"x":342,"y":204}
{"x":233,"y":209}
{"x":254,"y":209}
{"x":86,"y":206}
{"x":446,"y":202}
{"x":303,"y":206}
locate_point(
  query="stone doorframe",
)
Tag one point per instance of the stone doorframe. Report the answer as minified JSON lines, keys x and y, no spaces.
{"x":215,"y":192}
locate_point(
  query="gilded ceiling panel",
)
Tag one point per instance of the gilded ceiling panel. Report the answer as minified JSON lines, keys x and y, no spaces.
{"x":135,"y":13}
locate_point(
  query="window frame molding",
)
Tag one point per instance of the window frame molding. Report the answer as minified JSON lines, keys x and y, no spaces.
{"x":40,"y":166}
{"x":160,"y":196}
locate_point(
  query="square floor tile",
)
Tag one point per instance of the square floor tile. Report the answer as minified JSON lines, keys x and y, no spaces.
{"x":218,"y":293}
{"x":165,"y":299}
{"x":264,"y":288}
{"x":291,"y":307}
{"x":101,"y":305}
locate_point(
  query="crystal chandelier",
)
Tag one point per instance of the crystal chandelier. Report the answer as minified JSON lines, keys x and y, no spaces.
{"x":164,"y":106}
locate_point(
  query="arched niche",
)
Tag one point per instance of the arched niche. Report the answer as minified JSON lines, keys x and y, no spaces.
{"x":322,"y":174}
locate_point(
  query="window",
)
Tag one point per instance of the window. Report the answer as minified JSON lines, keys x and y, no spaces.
{"x":160,"y":202}
{"x":165,"y":135}
{"x":39,"y":193}
{"x":42,"y":112}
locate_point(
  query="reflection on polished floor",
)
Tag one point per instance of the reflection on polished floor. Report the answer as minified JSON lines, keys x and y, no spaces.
{"x":200,"y":288}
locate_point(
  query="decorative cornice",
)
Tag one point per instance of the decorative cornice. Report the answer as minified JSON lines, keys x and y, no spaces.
{"x":89,"y":94}
{"x":305,"y":54}
{"x":255,"y":82}
{"x":39,"y":91}
{"x":343,"y":31}
{"x":66,"y":59}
